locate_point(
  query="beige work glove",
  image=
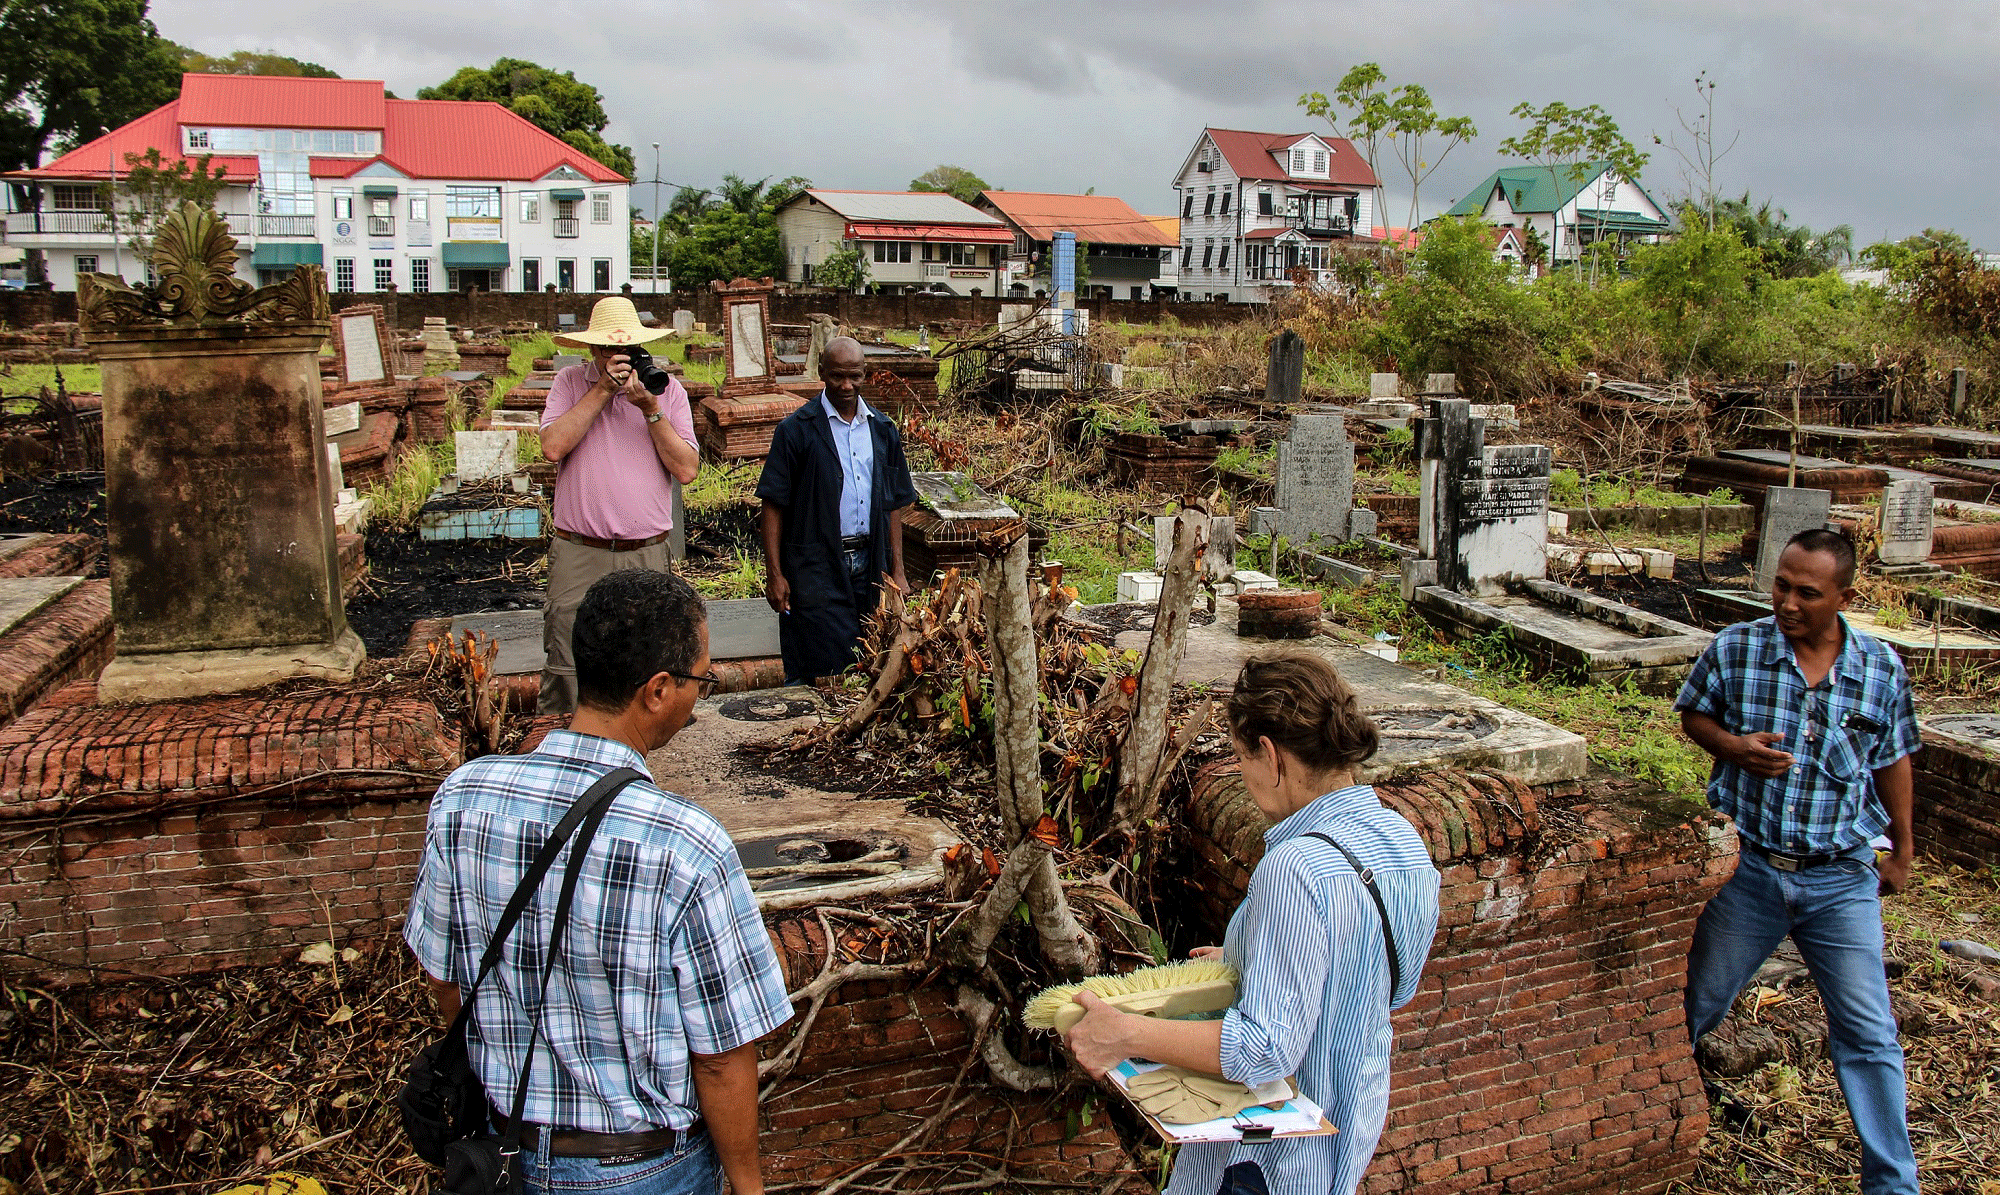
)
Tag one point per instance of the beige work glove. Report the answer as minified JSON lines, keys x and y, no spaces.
{"x":1175,"y":1096}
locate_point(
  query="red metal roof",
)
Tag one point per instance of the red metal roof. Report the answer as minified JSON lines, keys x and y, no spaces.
{"x":440,"y":139}
{"x":961,"y":233}
{"x":274,"y":102}
{"x":1254,"y":156}
{"x":1098,"y":219}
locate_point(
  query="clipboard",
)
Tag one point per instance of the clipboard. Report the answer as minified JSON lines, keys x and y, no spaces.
{"x":1297,"y":1117}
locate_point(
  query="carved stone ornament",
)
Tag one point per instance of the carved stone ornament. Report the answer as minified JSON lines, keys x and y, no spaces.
{"x":194,"y":260}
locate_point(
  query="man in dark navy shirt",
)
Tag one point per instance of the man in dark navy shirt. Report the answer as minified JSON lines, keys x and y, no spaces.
{"x":834,"y":490}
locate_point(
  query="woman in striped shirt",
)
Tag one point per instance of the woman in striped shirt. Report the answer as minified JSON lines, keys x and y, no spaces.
{"x":1310,"y":941}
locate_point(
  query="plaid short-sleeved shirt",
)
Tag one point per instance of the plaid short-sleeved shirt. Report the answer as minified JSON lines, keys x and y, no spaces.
{"x":1859,"y":720}
{"x":665,"y":955}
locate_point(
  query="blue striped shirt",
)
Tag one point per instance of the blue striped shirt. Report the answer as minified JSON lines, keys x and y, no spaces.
{"x":854,"y":444}
{"x":665,"y":955}
{"x":1857,"y":721}
{"x":1315,"y":999}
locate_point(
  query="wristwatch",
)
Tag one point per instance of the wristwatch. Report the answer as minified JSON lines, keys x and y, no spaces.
{"x":656,"y":416}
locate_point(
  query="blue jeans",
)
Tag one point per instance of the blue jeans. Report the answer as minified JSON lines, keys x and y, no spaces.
{"x":1834,"y":915}
{"x":691,"y":1169}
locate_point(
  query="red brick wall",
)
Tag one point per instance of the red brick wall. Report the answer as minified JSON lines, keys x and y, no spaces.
{"x":1546,"y":1048}
{"x":1957,"y":801}
{"x":55,"y":556}
{"x":67,"y":640}
{"x":188,"y":835}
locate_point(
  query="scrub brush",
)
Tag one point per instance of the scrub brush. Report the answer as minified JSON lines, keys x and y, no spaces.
{"x":1169,"y":990}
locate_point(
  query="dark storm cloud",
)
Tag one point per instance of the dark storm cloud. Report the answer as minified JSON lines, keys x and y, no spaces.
{"x":1874,"y":115}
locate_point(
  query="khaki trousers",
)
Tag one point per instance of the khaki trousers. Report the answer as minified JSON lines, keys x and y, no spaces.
{"x":573,"y":568}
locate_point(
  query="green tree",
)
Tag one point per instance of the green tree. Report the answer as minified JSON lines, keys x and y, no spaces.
{"x":1902,"y":259}
{"x":251,"y":62}
{"x":152,"y":187}
{"x":558,"y":103}
{"x":1787,"y":250}
{"x":843,"y":269}
{"x":724,"y":243}
{"x":1457,"y":310}
{"x":1403,"y":116}
{"x":1700,"y":288}
{"x":956,"y":181}
{"x":1578,"y":141}
{"x":73,"y":69}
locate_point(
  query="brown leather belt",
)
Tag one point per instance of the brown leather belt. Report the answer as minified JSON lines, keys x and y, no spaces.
{"x":576,"y":1143}
{"x":612,"y":545}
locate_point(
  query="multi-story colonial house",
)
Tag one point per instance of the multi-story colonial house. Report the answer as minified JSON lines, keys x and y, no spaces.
{"x":1568,"y":209}
{"x":423,"y":195}
{"x":1122,"y":254}
{"x":911,"y":240}
{"x":1254,"y":207}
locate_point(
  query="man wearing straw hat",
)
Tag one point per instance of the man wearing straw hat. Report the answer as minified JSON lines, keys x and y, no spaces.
{"x":618,"y":445}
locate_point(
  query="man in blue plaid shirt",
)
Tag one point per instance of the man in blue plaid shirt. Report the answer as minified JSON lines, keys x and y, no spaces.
{"x":645,"y":1074}
{"x":1812,"y":727}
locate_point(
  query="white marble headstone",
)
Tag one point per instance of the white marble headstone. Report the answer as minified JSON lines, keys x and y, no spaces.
{"x":483,"y":455}
{"x":361,"y":348}
{"x":1787,"y":511}
{"x":1908,"y":521}
{"x":343,"y":419}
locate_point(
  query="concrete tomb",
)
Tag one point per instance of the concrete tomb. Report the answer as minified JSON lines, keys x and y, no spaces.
{"x":1786,"y":513}
{"x":439,"y":347}
{"x":224,"y":570}
{"x":1957,"y":789}
{"x":943,"y":528}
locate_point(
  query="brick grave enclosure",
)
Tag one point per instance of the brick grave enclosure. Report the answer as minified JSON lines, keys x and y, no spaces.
{"x":1546,"y":1049}
{"x":1957,"y":797}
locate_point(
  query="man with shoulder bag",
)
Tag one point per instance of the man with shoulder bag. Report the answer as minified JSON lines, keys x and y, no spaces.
{"x":612,"y":1032}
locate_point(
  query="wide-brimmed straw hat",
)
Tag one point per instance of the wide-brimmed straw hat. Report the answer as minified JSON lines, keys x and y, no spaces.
{"x":613,"y":322}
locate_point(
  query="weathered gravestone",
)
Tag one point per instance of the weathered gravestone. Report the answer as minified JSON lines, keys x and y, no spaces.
{"x":1440,"y":383}
{"x":361,"y":344}
{"x":223,"y":562}
{"x":1482,"y":513}
{"x":343,"y":419}
{"x":1315,"y":484}
{"x":1787,"y":512}
{"x":1285,"y":376}
{"x":746,"y":334}
{"x":683,"y":322}
{"x":484,"y":455}
{"x":1385,"y":385}
{"x":1908,"y":522}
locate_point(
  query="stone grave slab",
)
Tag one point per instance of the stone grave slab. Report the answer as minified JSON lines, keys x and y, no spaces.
{"x":742,"y":629}
{"x":1315,"y":484}
{"x":10,"y":544}
{"x":1441,"y":384}
{"x":1956,"y":441}
{"x":1385,"y":385}
{"x":1503,"y":518}
{"x":334,"y":470}
{"x":749,"y":357}
{"x":484,"y":455}
{"x":518,"y":634}
{"x":1572,"y":633}
{"x":683,"y":322}
{"x":23,"y":597}
{"x":464,"y":377}
{"x":779,"y":819}
{"x":1786,"y":513}
{"x":343,"y":419}
{"x":1908,"y":522}
{"x":361,"y":344}
{"x":1285,"y":373}
{"x":942,"y":530}
{"x":1426,"y":724}
{"x":1921,"y":644}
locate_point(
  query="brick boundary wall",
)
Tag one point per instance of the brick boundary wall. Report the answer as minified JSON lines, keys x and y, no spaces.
{"x":1546,"y":1048}
{"x":186,"y":836}
{"x":68,"y":640}
{"x":1957,"y":800}
{"x":55,"y":555}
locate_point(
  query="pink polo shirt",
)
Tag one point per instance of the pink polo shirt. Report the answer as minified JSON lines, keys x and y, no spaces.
{"x":612,"y":484}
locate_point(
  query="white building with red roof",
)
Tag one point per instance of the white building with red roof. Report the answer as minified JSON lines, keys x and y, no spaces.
{"x":1122,"y":250}
{"x":911,"y":240}
{"x":421,"y":195}
{"x":1255,"y":207}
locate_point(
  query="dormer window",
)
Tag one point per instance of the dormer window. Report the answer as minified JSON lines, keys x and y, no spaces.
{"x":1308,"y":161}
{"x":1319,"y":161}
{"x":1298,"y":161}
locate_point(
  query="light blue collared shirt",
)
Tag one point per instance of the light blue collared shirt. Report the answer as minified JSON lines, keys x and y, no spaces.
{"x":1315,"y":998}
{"x":854,"y":443}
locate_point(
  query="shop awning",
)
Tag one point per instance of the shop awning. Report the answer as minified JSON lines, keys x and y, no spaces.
{"x":478,"y":255}
{"x":278,"y":256}
{"x":962,"y":234}
{"x":567,"y":193}
{"x":388,"y":189}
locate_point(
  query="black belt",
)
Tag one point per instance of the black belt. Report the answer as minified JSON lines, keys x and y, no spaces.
{"x":1785,"y":862}
{"x":854,"y":543}
{"x":576,"y":1143}
{"x":611,"y":545}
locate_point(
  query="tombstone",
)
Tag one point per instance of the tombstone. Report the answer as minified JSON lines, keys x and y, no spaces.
{"x":1315,"y":482}
{"x":683,"y":322}
{"x":439,"y":348}
{"x":747,"y":355}
{"x":337,"y":479}
{"x":1285,"y":376}
{"x":482,"y":456}
{"x":224,"y":567}
{"x":824,"y":328}
{"x":1482,"y":513}
{"x":1908,"y":522}
{"x":361,"y":344}
{"x":1787,"y":512}
{"x":1441,"y":384}
{"x":1385,"y":385}
{"x":343,"y":419}
{"x":1958,"y":377}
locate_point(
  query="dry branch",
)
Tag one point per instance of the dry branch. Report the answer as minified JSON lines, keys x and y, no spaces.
{"x":1140,"y":770}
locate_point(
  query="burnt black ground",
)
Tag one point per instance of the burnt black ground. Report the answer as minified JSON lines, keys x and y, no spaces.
{"x":410,"y":578}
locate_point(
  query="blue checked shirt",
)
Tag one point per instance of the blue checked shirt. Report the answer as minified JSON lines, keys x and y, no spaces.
{"x":665,"y":954}
{"x":1859,"y":720}
{"x":1315,"y":999}
{"x":854,"y":444}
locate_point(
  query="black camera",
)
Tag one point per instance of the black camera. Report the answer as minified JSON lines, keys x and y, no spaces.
{"x":650,"y":375}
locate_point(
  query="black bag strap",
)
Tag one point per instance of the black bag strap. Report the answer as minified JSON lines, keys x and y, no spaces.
{"x":596,"y":794}
{"x":1367,"y":875}
{"x":571,"y":872}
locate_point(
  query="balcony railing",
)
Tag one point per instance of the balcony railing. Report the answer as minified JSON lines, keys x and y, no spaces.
{"x":1323,"y":225}
{"x":568,"y":228}
{"x":285,"y":226}
{"x":381,"y":226}
{"x":88,"y":223}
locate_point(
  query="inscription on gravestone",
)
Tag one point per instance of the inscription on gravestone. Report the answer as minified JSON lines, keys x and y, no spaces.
{"x":1503,"y":517}
{"x":1787,"y":512}
{"x":1315,"y":481}
{"x":1908,"y":522}
{"x":361,"y":349}
{"x":481,"y":455}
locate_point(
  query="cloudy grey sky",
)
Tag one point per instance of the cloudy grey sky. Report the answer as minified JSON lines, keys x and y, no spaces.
{"x":1865,"y":112}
